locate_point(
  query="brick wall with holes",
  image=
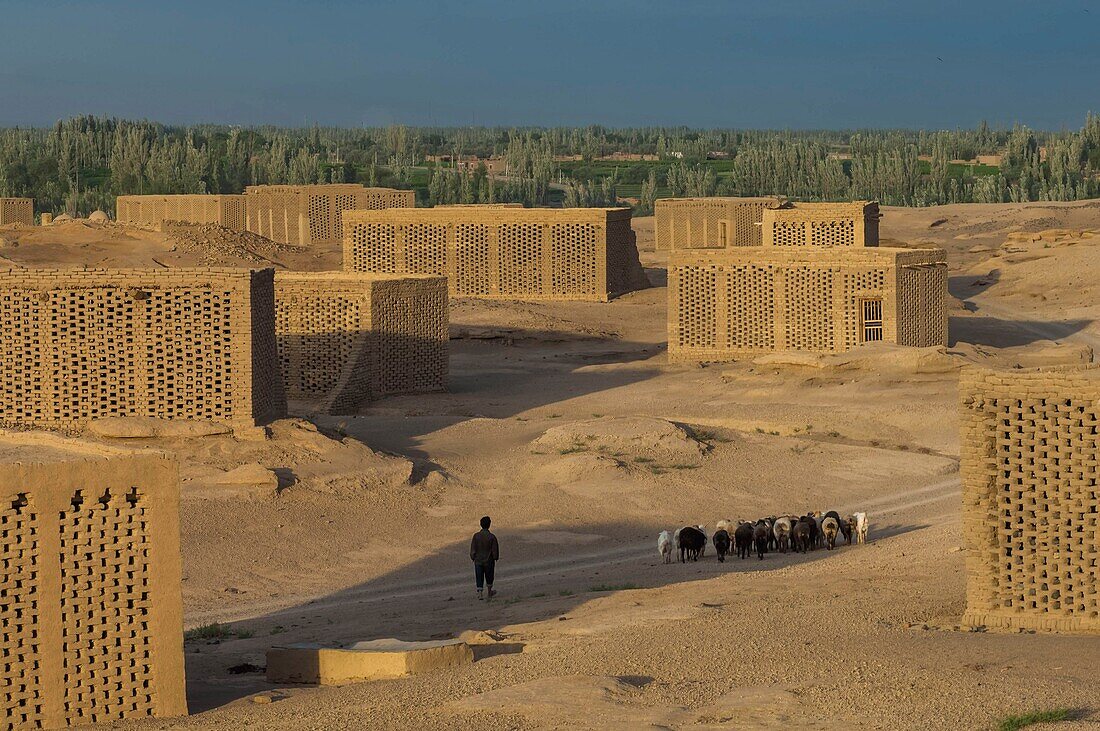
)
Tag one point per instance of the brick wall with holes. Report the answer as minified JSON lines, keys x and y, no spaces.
{"x":501,"y":252}
{"x":17,"y":210}
{"x":347,"y":338}
{"x":709,"y":223}
{"x":154,"y":210}
{"x":84,"y":343}
{"x":90,"y":575}
{"x":303,"y":215}
{"x":821,"y":225}
{"x":1030,"y":469}
{"x":736,"y":302}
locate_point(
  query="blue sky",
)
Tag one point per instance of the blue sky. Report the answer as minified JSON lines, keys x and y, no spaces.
{"x":702,"y":63}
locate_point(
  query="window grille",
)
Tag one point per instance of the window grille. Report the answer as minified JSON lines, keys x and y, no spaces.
{"x":871,"y":320}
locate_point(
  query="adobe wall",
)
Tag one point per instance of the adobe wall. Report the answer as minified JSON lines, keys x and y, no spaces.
{"x":17,"y":210}
{"x":83,"y":343}
{"x":501,"y":252}
{"x":346,"y":338}
{"x":698,"y":223}
{"x":91,"y":612}
{"x":303,"y":215}
{"x":727,"y":304}
{"x":822,"y":225}
{"x":1030,"y":442}
{"x":154,"y":210}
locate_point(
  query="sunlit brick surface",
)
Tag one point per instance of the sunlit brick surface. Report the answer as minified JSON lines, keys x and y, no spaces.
{"x":302,"y":215}
{"x":154,"y":210}
{"x":821,"y":225}
{"x":709,"y":223}
{"x":17,"y":210}
{"x":501,"y":252}
{"x":171,"y":343}
{"x":1031,"y":497}
{"x":90,"y":602}
{"x":723,"y":304}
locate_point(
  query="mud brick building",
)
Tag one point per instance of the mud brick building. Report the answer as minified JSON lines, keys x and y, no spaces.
{"x":346,"y":338}
{"x":1030,"y":467}
{"x":89,"y":584}
{"x":303,"y":215}
{"x":501,"y":252}
{"x":17,"y":210}
{"x":154,"y":210}
{"x":709,"y":223}
{"x":821,"y":225}
{"x":82,"y":343}
{"x":750,"y":300}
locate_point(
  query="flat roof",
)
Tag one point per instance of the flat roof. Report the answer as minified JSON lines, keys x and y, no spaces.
{"x":35,"y":447}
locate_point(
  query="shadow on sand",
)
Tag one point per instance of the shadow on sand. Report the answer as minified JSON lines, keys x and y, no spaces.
{"x":1001,"y":333}
{"x":527,"y":369}
{"x":433,"y":598}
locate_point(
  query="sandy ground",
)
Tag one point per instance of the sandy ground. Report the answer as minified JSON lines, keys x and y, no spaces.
{"x":566,"y":423}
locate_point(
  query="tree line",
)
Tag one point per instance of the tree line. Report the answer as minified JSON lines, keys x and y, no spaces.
{"x":81,"y":164}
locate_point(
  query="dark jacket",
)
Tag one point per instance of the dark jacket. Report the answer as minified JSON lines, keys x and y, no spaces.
{"x":483,"y":547}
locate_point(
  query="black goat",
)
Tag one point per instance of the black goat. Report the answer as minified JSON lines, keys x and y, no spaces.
{"x":760,"y":535}
{"x":742,"y":537}
{"x":802,"y":535}
{"x":692,"y":541}
{"x":721,"y":541}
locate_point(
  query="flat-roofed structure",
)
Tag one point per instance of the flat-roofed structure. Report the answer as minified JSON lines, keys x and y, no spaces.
{"x":89,"y":583}
{"x":1030,"y":467}
{"x":85,"y":343}
{"x":709,"y":223}
{"x":501,"y":252}
{"x":153,"y":210}
{"x":303,"y":215}
{"x":17,"y":210}
{"x":743,"y":301}
{"x":821,"y":225}
{"x":346,"y":338}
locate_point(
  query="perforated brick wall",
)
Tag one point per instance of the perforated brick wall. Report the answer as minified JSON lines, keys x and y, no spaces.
{"x":725,"y":304}
{"x":154,"y":210}
{"x":501,"y":252}
{"x":821,"y":225}
{"x":90,"y":601}
{"x":17,"y":210}
{"x":83,"y":343}
{"x":302,"y":215}
{"x":347,"y":338}
{"x":922,"y":306}
{"x":709,"y":223}
{"x":1031,"y":497}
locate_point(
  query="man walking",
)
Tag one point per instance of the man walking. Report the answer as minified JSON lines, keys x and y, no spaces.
{"x":484,"y":552}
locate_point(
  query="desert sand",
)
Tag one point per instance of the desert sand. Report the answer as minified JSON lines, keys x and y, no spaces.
{"x":566,"y":423}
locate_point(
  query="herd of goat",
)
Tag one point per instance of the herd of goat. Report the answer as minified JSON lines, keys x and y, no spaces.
{"x":783,"y":533}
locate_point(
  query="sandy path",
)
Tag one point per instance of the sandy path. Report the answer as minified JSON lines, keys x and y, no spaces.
{"x":532,"y":575}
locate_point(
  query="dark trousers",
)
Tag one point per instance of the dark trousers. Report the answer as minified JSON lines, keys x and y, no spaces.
{"x":483,"y":573}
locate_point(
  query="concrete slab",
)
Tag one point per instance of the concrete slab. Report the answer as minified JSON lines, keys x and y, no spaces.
{"x":361,"y":661}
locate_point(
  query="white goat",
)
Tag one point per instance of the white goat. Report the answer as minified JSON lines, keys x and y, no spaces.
{"x":782,"y":532}
{"x":862,"y":524}
{"x":664,"y":545}
{"x":726,"y":525}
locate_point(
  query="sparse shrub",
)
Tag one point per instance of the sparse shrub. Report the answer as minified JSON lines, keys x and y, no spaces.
{"x":612,"y":587}
{"x":1023,"y":720}
{"x":212,"y":631}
